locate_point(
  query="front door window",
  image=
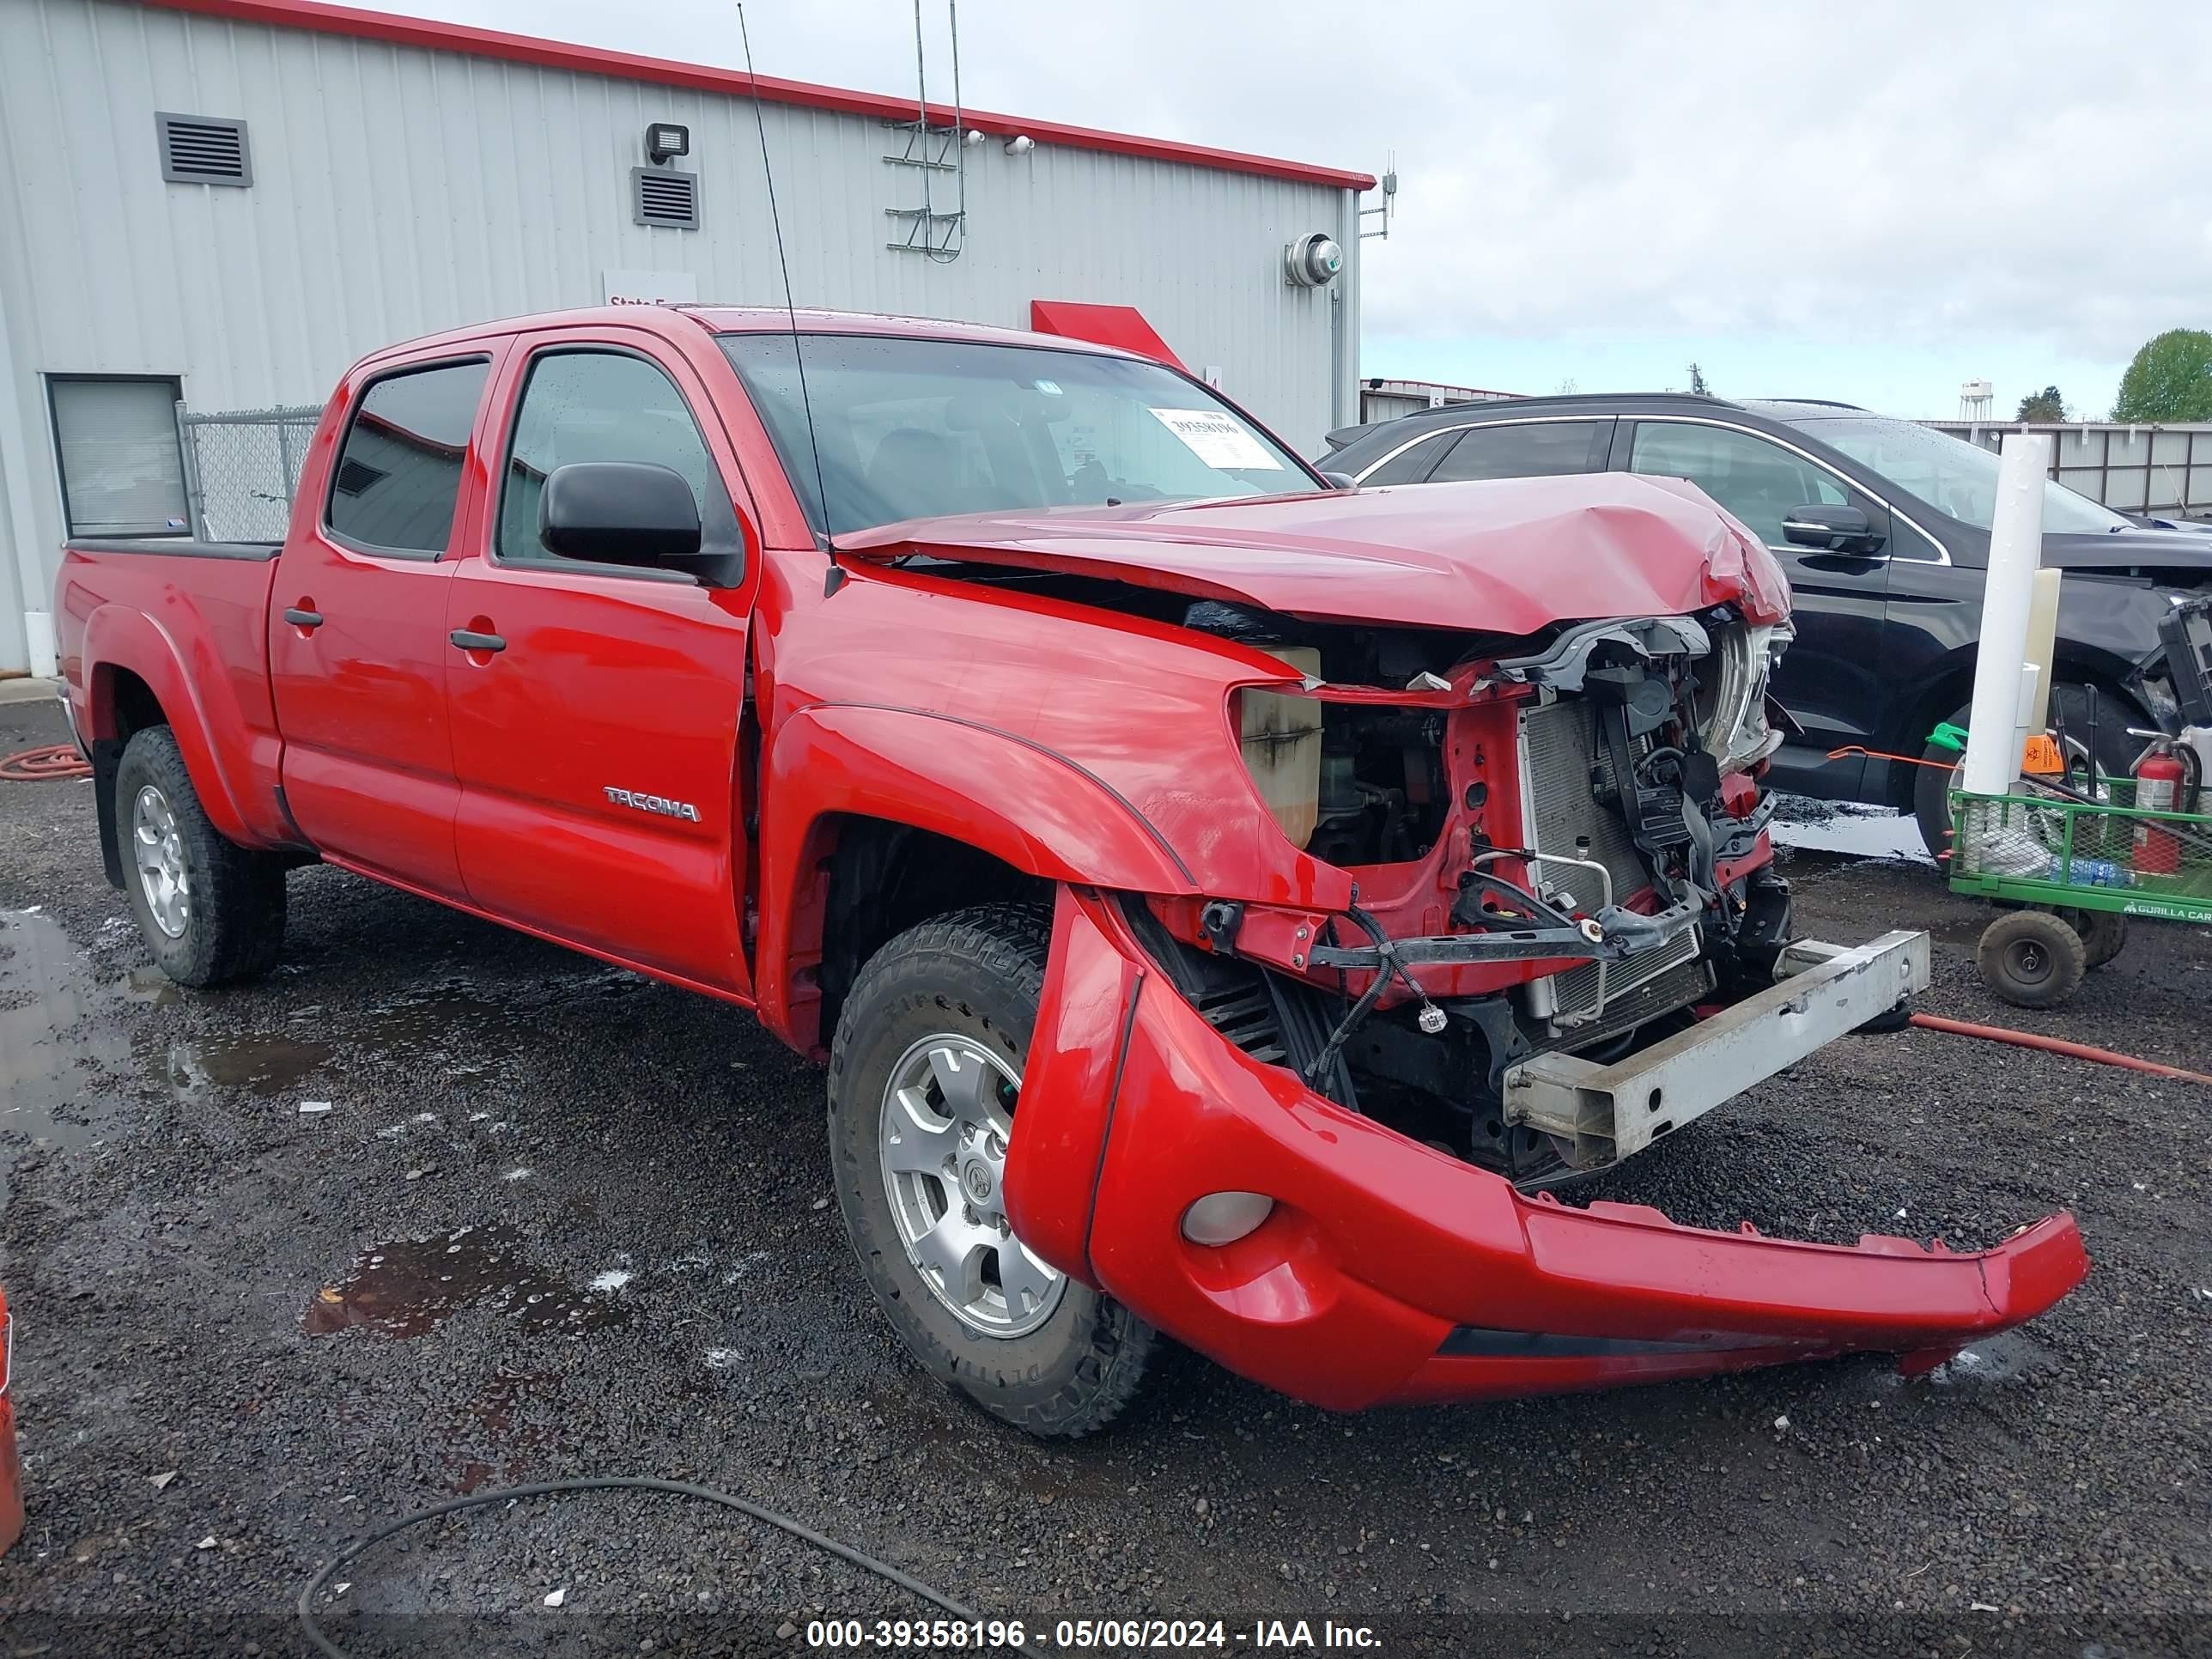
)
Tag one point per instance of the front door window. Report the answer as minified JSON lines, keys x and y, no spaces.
{"x":1760,"y":482}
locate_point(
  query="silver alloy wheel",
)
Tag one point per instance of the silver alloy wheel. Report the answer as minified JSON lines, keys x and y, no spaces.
{"x":948,"y":1112}
{"x":160,"y":852}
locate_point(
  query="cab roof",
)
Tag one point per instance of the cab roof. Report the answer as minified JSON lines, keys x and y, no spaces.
{"x":746,"y":319}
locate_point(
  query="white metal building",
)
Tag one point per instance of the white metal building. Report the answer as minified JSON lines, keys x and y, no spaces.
{"x":224,"y":201}
{"x":1383,"y":399}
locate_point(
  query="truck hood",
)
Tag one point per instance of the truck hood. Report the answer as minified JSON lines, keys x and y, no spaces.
{"x":1511,"y":556}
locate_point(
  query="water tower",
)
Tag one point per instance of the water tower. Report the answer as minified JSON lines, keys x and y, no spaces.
{"x":1975,"y":398}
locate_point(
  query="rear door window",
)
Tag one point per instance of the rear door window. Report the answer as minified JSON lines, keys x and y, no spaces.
{"x":1527,"y":449}
{"x":399,"y":470}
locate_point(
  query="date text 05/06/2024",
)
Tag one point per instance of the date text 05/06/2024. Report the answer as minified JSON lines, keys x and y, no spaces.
{"x":1085,"y":1635}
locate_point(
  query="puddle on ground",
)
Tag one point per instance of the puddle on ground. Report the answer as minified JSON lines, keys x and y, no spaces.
{"x":260,"y":1066}
{"x":413,"y":1286}
{"x":1842,"y":830}
{"x":59,"y":1054}
{"x":146,"y":984}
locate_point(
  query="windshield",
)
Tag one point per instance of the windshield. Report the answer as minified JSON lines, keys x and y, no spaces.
{"x":911,"y":429}
{"x":1951,"y":475}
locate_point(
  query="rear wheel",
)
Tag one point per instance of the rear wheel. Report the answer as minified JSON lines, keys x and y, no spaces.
{"x":2031,"y":958}
{"x":2069,"y":702}
{"x":210,"y":910}
{"x":2104,"y":933}
{"x":925,"y":1078}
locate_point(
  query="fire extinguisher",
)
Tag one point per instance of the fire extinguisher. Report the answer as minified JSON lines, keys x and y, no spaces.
{"x":2159,"y":776}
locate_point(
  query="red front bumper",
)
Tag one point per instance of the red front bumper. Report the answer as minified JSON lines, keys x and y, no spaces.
{"x":1392,"y":1271}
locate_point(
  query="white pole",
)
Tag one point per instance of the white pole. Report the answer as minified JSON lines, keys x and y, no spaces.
{"x":2015,"y":552}
{"x":21,"y":527}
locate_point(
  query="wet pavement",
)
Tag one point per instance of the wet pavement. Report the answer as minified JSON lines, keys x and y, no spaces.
{"x":436,"y":1209}
{"x":1849,"y":832}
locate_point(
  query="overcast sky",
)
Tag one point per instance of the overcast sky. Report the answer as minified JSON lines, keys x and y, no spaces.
{"x":1870,"y":202}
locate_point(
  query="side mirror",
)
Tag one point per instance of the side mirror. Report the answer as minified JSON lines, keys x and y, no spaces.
{"x":628,"y":512}
{"x":1340,"y":480}
{"x":1831,"y":530}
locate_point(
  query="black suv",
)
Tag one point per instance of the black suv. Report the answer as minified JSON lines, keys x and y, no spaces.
{"x":1884,"y":528}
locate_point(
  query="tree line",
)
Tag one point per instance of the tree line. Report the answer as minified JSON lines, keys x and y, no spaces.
{"x":2169,"y":379}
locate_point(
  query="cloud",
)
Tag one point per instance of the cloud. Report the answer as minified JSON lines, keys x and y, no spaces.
{"x":1889,"y":176}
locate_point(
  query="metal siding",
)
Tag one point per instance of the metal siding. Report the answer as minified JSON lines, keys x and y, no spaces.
{"x":399,"y":191}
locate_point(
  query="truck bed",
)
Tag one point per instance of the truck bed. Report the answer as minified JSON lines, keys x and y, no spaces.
{"x":192,"y":618}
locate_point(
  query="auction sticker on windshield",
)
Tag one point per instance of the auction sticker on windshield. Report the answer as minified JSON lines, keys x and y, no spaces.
{"x":1217,"y":439}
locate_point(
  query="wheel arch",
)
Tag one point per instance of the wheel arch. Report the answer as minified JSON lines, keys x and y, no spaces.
{"x":872,"y":815}
{"x":134,"y":678}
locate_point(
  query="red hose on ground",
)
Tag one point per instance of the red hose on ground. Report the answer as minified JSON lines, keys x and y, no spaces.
{"x":58,"y":760}
{"x":2056,"y":1046}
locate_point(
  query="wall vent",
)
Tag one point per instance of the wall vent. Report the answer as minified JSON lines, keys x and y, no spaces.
{"x":663,"y":197}
{"x":203,"y":149}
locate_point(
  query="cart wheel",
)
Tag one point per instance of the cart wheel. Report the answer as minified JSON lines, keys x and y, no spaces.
{"x":2032,"y":959}
{"x":2104,"y":935}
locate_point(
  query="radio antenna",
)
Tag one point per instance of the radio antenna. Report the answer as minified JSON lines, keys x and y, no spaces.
{"x":835,"y":578}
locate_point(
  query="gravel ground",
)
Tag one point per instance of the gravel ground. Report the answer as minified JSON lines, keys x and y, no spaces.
{"x":559,"y":1220}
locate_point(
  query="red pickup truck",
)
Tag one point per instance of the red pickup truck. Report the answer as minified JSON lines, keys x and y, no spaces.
{"x":1224,"y":902}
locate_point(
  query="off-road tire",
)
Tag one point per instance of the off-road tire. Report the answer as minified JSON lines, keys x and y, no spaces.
{"x":979,"y":972}
{"x":2031,"y":958}
{"x":235,"y":926}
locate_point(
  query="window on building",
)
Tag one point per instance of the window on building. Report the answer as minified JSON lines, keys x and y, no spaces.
{"x":603,"y":406}
{"x":1760,"y":482}
{"x":399,"y":473}
{"x":122,"y":471}
{"x":1535,"y":449}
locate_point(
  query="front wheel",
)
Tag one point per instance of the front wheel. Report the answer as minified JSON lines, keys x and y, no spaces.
{"x":210,"y":910}
{"x":925,"y":1078}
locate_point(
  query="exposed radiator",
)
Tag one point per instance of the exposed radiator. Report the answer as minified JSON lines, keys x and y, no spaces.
{"x":1560,"y":757}
{"x":1577,"y":988}
{"x":1664,"y":993}
{"x":1558,"y":750}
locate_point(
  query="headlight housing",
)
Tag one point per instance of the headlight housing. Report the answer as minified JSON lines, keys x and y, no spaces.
{"x":1734,"y":706}
{"x":1278,"y":734}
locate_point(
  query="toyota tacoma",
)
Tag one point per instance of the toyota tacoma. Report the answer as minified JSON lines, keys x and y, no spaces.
{"x":1226,"y":904}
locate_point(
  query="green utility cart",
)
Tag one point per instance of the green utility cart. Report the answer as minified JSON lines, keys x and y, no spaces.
{"x":2073,"y":871}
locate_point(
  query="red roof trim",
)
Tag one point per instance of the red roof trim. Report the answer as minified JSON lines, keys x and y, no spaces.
{"x":700,"y":77}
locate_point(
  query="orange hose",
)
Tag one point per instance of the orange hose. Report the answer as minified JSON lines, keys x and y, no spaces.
{"x":2056,"y":1046}
{"x":1882,"y":754}
{"x":59,"y":761}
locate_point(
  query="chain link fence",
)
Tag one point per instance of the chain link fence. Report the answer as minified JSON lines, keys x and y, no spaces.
{"x":242,"y":467}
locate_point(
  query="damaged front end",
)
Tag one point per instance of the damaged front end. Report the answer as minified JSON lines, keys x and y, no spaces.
{"x":1453,"y":917}
{"x":1558,"y":867}
{"x":1315,"y":1250}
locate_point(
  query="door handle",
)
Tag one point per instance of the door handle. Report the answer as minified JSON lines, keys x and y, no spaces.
{"x":299,"y":618}
{"x":468,"y":639}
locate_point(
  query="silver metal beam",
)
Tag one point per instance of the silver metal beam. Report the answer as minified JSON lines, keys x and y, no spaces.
{"x":1612,"y":1112}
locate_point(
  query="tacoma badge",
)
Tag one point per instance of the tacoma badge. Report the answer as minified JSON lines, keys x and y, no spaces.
{"x":660,"y":804}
